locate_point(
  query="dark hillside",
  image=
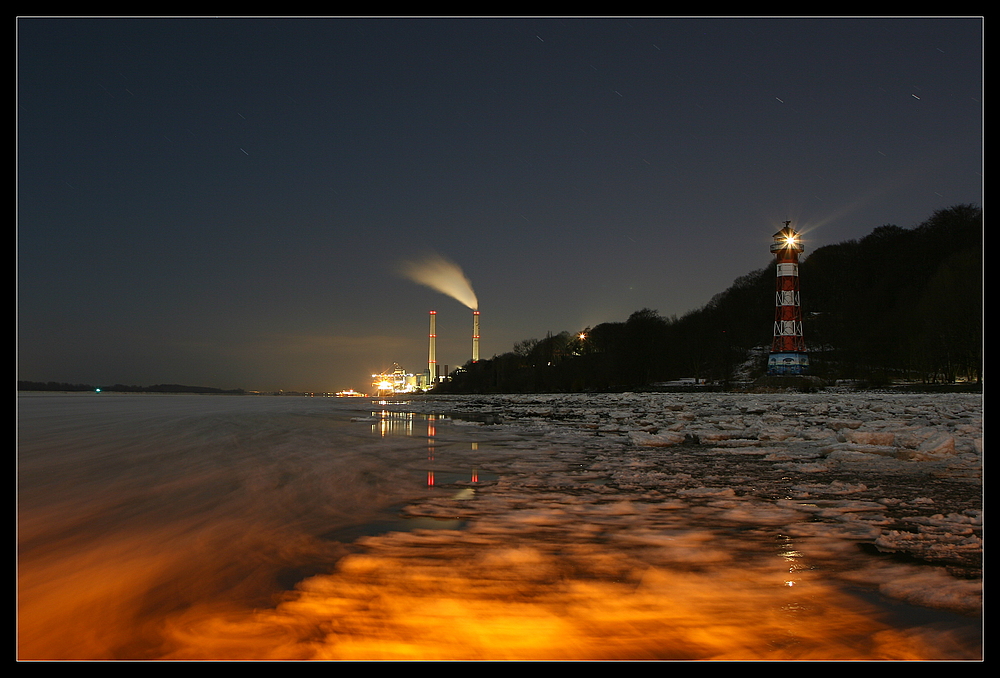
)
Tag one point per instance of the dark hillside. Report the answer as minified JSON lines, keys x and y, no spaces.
{"x":897,"y":304}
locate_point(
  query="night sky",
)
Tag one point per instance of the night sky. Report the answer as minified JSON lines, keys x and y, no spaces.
{"x":227,"y":202}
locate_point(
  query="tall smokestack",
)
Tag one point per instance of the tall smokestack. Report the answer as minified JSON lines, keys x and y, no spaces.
{"x":432,"y":350}
{"x":475,"y":336}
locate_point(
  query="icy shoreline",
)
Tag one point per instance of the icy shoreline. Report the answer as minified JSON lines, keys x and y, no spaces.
{"x":902,"y":472}
{"x":666,"y":527}
{"x":632,"y":526}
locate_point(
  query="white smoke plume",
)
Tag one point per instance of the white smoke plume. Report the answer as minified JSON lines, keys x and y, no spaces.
{"x":442,"y":275}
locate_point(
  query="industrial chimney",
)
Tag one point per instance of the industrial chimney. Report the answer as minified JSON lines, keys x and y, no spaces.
{"x":432,"y":351}
{"x":475,"y":336}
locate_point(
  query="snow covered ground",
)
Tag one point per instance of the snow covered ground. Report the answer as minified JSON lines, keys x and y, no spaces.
{"x":616,"y":527}
{"x":716,"y":526}
{"x":906,"y":468}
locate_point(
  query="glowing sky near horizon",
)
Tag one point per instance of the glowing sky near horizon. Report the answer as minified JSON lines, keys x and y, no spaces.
{"x":223,"y":202}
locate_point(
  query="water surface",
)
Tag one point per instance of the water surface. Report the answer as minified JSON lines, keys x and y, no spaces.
{"x":239,"y":527}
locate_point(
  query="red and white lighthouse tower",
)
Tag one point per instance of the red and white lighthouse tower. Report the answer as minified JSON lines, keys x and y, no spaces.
{"x":788,"y":348}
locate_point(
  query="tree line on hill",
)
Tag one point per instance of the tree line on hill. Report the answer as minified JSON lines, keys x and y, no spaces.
{"x":898,"y":304}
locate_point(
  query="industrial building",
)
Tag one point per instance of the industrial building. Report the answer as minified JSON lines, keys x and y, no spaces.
{"x":398,"y":380}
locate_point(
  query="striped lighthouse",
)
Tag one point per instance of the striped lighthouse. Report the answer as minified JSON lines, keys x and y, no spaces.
{"x":788,"y":348}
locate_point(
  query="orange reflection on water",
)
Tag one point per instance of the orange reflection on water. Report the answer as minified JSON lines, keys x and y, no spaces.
{"x":449,"y":595}
{"x":442,"y":594}
{"x":114,"y":598}
{"x":92,"y":604}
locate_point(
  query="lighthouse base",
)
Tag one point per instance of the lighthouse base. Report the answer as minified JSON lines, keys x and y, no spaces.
{"x":787,"y":364}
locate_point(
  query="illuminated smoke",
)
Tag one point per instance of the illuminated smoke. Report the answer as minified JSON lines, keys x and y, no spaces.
{"x":442,"y":275}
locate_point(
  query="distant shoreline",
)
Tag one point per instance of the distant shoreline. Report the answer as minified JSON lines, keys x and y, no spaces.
{"x":121,"y":388}
{"x":176,"y":389}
